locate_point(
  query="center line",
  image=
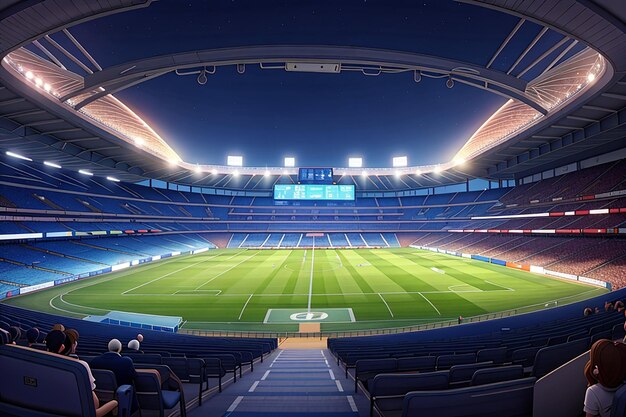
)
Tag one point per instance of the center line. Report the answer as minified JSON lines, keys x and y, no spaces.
{"x":311,"y":279}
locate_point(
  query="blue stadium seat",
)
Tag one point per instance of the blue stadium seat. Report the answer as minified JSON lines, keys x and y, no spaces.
{"x":387,"y":390}
{"x":510,"y":398}
{"x":499,"y":374}
{"x":36,"y":383}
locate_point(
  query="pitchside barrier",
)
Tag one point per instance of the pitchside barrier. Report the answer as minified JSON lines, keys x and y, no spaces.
{"x":524,"y":267}
{"x":118,"y":267}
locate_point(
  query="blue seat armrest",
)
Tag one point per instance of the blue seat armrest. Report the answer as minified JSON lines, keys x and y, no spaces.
{"x":124,"y":397}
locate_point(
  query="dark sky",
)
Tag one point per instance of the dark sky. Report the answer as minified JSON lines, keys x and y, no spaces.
{"x":321,"y":119}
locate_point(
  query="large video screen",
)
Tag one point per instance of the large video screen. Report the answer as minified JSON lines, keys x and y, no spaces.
{"x":315,"y":175}
{"x":313,"y":192}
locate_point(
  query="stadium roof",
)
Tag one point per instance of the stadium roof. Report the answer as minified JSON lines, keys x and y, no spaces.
{"x":565,"y":103}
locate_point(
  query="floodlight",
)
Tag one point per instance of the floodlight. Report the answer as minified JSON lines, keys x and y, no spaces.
{"x":29,"y":75}
{"x":235,"y":173}
{"x":450,"y":82}
{"x":591,"y":76}
{"x":290,"y":161}
{"x":18,"y":156}
{"x":267,"y":173}
{"x":355,"y":162}
{"x":364,"y":173}
{"x":437,"y":169}
{"x":400,"y":161}
{"x":82,"y":171}
{"x":202,"y":78}
{"x":398,"y":173}
{"x":51,"y":164}
{"x":113,"y":179}
{"x":234,"y":160}
{"x":459,"y":161}
{"x":198,"y":169}
{"x":418,"y":172}
{"x":214,"y":171}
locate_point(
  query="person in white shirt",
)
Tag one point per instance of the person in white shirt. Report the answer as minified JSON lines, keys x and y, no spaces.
{"x":605,"y":373}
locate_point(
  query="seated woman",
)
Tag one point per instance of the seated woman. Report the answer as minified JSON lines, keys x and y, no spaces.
{"x":605,"y":373}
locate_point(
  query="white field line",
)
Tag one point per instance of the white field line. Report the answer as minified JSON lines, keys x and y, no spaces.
{"x":311,"y":279}
{"x":265,"y":375}
{"x":431,"y":304}
{"x":312,"y":295}
{"x":498,"y":285}
{"x":170,"y":273}
{"x":223,"y":272}
{"x":437,"y":270}
{"x":244,"y":306}
{"x":253,"y":387}
{"x":339,"y":386}
{"x":332,"y":374}
{"x":387,"y":305}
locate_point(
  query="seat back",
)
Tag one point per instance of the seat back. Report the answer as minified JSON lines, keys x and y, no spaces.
{"x":418,"y":364}
{"x":178,"y":365}
{"x":41,"y":381}
{"x":397,"y":385}
{"x":148,"y":391}
{"x":495,"y":355}
{"x":550,"y":358}
{"x":106,"y":384}
{"x":525,"y":356}
{"x":499,"y":374}
{"x":365,"y":366}
{"x":510,"y":398}
{"x":464,"y":373}
{"x":151,"y":358}
{"x":446,"y":361}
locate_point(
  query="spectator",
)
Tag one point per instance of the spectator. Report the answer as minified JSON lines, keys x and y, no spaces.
{"x":73,"y":336}
{"x":139,"y":338}
{"x":32,"y":335}
{"x":597,"y":310}
{"x":122,"y":367}
{"x":133,"y":347}
{"x":608,"y":306}
{"x":15,"y":334}
{"x":587,"y":311}
{"x":58,"y":326}
{"x":60,"y":343}
{"x":619,"y":306}
{"x":460,"y":319}
{"x":605,"y":373}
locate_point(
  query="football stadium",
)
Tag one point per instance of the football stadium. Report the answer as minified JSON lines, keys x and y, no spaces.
{"x":338,"y":209}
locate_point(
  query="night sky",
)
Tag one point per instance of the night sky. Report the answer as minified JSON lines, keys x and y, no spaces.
{"x":321,"y":119}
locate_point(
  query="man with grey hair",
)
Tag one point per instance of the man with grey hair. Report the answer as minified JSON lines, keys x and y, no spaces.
{"x":132,"y":347}
{"x":122,"y":367}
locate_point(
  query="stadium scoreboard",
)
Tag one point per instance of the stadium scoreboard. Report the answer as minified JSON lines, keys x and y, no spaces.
{"x":322,"y":192}
{"x":315,"y":175}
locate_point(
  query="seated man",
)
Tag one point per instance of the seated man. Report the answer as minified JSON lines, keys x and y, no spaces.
{"x":122,"y":367}
{"x":132,"y":347}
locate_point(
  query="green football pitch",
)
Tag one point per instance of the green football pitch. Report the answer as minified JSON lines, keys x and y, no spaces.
{"x":274,"y":290}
